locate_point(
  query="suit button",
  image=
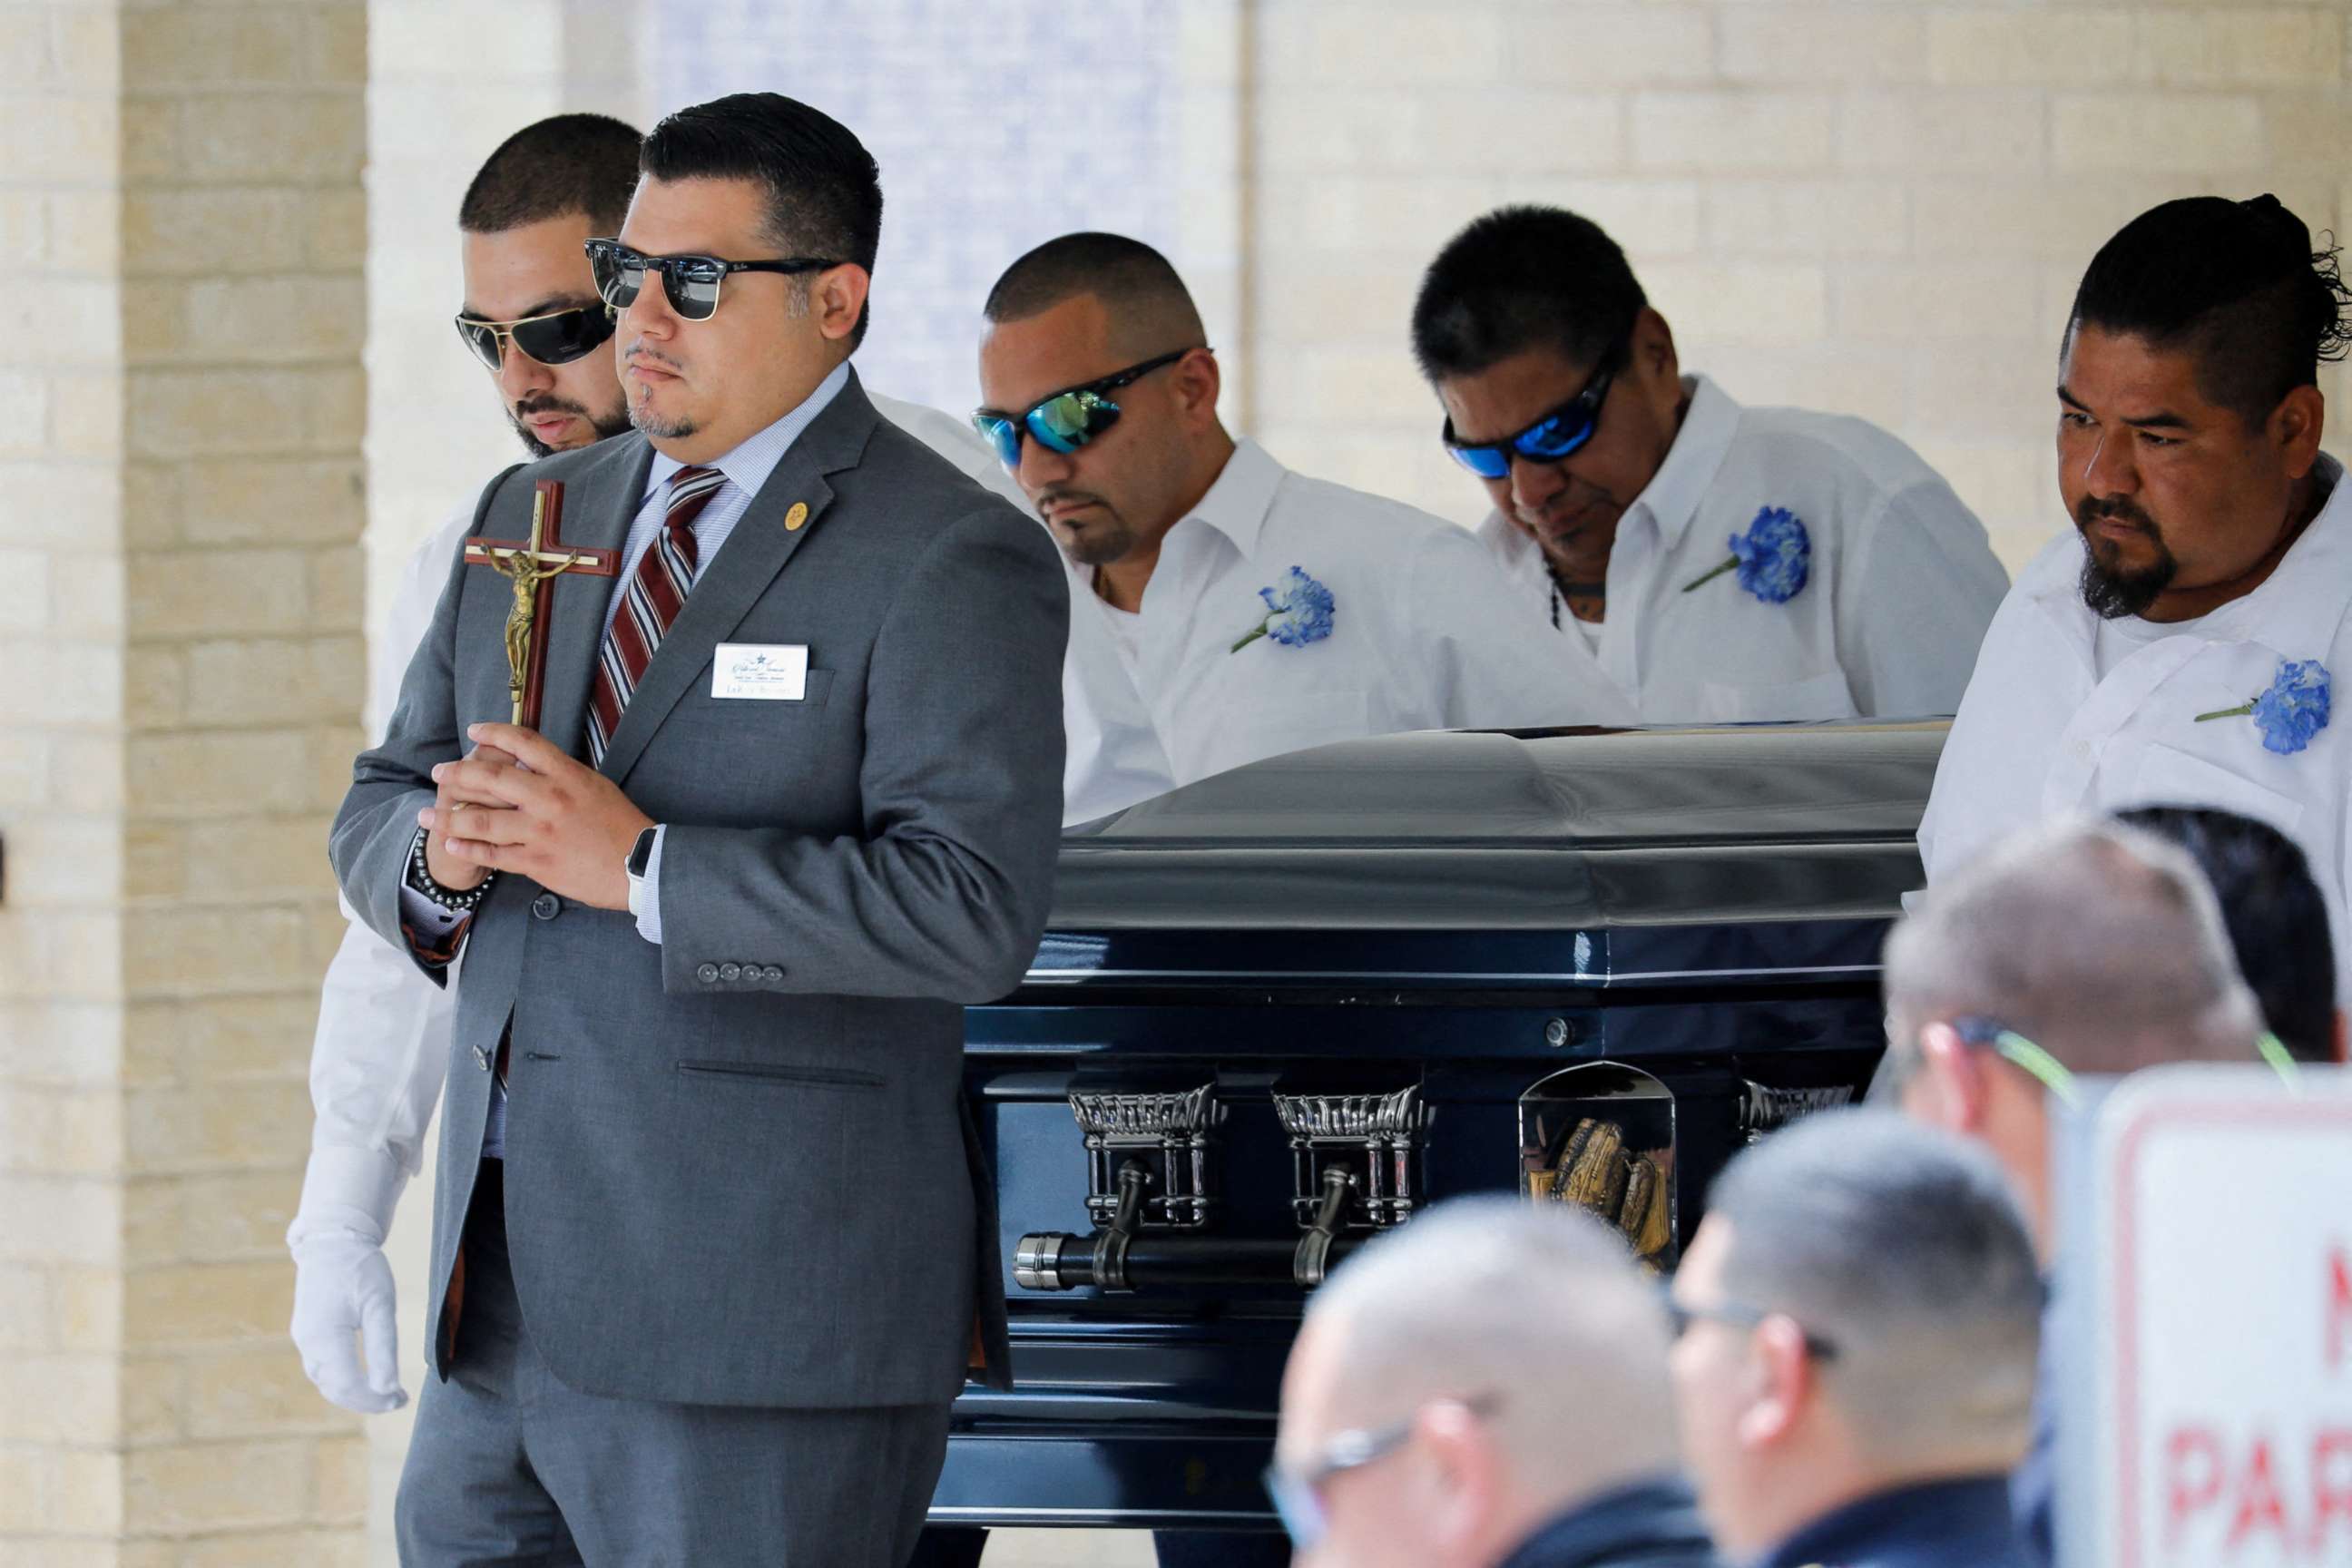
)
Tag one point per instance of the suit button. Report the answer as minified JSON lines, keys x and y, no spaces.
{"x":546,"y":906}
{"x":771,"y":975}
{"x":708,"y":974}
{"x":481,"y":1059}
{"x":730,"y":972}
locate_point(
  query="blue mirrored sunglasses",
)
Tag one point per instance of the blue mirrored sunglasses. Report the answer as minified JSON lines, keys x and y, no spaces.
{"x":1558,"y":434}
{"x":1069,"y":418}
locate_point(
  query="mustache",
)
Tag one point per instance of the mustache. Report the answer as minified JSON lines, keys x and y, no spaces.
{"x":638,"y":351}
{"x":2115,"y":509}
{"x":534,"y":407}
{"x":1049,"y":498}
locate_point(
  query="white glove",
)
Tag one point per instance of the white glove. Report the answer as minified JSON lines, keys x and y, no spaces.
{"x":344,"y":1295}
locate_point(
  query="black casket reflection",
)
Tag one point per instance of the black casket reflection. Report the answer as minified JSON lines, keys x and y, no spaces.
{"x":1281,"y":1009}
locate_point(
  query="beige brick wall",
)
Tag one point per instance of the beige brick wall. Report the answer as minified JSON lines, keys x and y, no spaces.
{"x":181,"y":623}
{"x":1877,"y":206}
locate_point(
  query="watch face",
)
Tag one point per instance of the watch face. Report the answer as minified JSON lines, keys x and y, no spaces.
{"x":640,"y":853}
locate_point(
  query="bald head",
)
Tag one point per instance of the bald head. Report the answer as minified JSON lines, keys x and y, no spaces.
{"x":2100,"y":942}
{"x":1539,"y":1305}
{"x":1150,"y":309}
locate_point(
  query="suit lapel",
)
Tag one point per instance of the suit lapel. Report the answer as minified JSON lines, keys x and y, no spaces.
{"x":726,"y":586}
{"x":577,"y":616}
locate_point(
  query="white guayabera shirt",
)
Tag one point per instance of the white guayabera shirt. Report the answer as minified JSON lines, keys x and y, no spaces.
{"x":1900,"y":583}
{"x":1423,"y":633}
{"x":383,"y":1044}
{"x":2068,"y":713}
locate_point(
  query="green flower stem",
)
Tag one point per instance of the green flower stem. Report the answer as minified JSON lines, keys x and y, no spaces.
{"x":1249,"y":639}
{"x":2238,"y":712}
{"x":1702,"y":581}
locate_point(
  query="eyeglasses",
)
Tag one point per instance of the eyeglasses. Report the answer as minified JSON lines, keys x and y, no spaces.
{"x":1297,"y":1490}
{"x":691,"y":282}
{"x":1681,"y":1315}
{"x":1558,"y":434}
{"x":1990,"y":1033}
{"x":559,"y":337}
{"x":1069,"y":418}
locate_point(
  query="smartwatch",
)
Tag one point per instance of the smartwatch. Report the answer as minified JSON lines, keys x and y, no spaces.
{"x":641,"y":855}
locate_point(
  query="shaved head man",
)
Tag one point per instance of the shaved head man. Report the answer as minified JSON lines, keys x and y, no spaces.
{"x":1485,"y":1388}
{"x":1858,"y":1317}
{"x":2081,"y":947}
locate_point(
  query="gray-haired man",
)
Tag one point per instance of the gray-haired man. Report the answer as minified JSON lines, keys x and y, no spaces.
{"x":1999,"y":990}
{"x":1858,"y":1317}
{"x":1485,"y":1388}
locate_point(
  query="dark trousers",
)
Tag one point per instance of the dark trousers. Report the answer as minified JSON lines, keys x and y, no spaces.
{"x":510,"y":1466}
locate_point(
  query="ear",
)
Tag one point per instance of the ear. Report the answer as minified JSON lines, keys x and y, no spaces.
{"x":2295,"y":425}
{"x":838,"y":298}
{"x":1653,"y":347}
{"x":1783,"y":1373}
{"x":1959,"y":1091}
{"x":1197,"y":382}
{"x":1466,"y":1477}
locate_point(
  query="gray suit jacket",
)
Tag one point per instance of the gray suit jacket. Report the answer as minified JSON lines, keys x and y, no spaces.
{"x":725,"y":1187}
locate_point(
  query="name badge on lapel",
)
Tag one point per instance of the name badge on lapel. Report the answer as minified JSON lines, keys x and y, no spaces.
{"x":761,"y":672}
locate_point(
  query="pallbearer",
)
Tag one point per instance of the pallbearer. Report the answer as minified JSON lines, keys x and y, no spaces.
{"x":1225,"y":608}
{"x":2181,"y":645}
{"x":1723,"y":563}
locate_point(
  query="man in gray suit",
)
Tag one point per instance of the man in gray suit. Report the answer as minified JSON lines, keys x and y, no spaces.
{"x":707,"y":1236}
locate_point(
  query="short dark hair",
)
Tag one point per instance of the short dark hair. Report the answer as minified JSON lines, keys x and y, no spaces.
{"x":1904,"y":1247}
{"x":569,"y":164}
{"x":1523,"y":277}
{"x":825,"y":190}
{"x":2276,"y":915}
{"x":2239,"y":285}
{"x":1129,"y":277}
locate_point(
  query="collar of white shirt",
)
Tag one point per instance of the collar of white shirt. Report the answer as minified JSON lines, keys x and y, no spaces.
{"x":1675,"y":491}
{"x":752,"y":461}
{"x":2298,"y":607}
{"x":1238,"y":503}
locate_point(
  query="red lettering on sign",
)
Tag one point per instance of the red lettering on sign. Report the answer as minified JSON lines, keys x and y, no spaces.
{"x":2331,"y":1486}
{"x":2192,"y":1469}
{"x":2339,"y":1306}
{"x":2259,"y":1507}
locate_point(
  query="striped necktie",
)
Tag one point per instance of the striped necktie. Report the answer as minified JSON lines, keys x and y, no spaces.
{"x":657,"y":591}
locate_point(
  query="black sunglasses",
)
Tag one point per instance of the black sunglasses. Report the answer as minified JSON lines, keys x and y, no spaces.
{"x":1558,"y":434}
{"x":690,"y":281}
{"x":1069,"y":418}
{"x":559,"y":337}
{"x":1680,"y":1316}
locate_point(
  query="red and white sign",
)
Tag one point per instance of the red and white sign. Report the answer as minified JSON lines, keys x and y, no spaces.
{"x":2220,"y":1323}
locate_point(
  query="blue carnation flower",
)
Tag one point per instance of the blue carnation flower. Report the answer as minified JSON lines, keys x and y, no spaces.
{"x":1774,"y":558}
{"x":2295,"y":707}
{"x":1298,"y":612}
{"x":2291,"y":711}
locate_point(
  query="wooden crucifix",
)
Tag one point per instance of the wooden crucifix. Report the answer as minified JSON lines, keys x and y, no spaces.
{"x":533,"y":566}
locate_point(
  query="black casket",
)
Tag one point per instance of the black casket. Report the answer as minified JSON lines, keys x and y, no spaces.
{"x":1280,"y":1009}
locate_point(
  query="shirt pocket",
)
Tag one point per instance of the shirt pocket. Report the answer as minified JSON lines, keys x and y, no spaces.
{"x":2163,"y":776}
{"x":1820,"y":696}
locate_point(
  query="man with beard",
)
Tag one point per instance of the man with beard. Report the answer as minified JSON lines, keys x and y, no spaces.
{"x":2181,"y":649}
{"x":1724,"y":564}
{"x":532,"y":316}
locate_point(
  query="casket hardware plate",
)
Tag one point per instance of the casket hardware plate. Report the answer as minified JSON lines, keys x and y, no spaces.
{"x":1172,"y":1135}
{"x":1376,"y":1138}
{"x":1767,"y":1110}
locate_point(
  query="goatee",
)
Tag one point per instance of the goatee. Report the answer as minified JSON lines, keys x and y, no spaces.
{"x":2110,"y":591}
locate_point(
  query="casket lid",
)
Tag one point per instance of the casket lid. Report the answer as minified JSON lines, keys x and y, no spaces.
{"x":1493,"y":830}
